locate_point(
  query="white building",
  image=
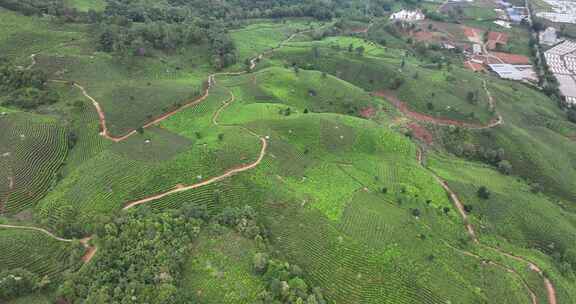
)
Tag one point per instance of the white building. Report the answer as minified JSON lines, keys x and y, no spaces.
{"x":561,"y":11}
{"x":549,"y":36}
{"x":561,"y":61}
{"x":407,"y":15}
{"x":514,"y":72}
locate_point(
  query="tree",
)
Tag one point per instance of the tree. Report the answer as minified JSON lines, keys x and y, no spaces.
{"x":505,"y":167}
{"x":483,"y":193}
{"x":471,"y":97}
{"x":571,"y":114}
{"x":221,"y":136}
{"x":17,"y":282}
{"x":260,"y":263}
{"x":350,"y":48}
{"x":360,"y":50}
{"x":315,"y":52}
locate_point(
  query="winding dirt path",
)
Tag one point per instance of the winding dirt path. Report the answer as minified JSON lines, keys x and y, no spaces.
{"x":210,"y":83}
{"x":228,"y":173}
{"x":550,"y":290}
{"x":531,"y":292}
{"x":403,"y":107}
{"x":181,"y":188}
{"x":50,"y":234}
{"x":90,"y":250}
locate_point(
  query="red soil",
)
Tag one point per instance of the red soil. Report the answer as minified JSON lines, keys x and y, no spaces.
{"x":90,"y":252}
{"x":496,"y":38}
{"x":421,"y":133}
{"x":427,"y":118}
{"x":476,"y":67}
{"x":511,"y":58}
{"x":368,"y":112}
{"x":472,"y":33}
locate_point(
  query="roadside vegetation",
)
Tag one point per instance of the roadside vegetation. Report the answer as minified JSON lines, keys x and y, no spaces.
{"x":275,"y":152}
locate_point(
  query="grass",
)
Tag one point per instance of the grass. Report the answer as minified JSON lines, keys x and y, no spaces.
{"x":340,"y":195}
{"x":219,"y":270}
{"x":443,"y":95}
{"x":37,"y":253}
{"x":132,"y":92}
{"x":534,"y":138}
{"x":87,"y":5}
{"x":256,"y":38}
{"x":34,"y":147}
{"x":21,"y":36}
{"x":513,"y":213}
{"x":307,"y":90}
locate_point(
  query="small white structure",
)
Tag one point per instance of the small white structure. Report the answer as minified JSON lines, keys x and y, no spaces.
{"x":447,"y":46}
{"x":476,"y":49}
{"x":549,"y":36}
{"x":407,"y":15}
{"x":503,"y":23}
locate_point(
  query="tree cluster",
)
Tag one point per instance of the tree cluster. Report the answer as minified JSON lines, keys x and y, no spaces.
{"x":18,"y":282}
{"x":35,"y":7}
{"x":284,"y":283}
{"x":177,"y":10}
{"x":460,"y":143}
{"x":139,"y":260}
{"x":139,"y":38}
{"x":24,"y":88}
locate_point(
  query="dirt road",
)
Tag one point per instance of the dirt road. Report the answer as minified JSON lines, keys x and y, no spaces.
{"x":210,"y":83}
{"x":550,"y":290}
{"x":403,"y":107}
{"x":90,"y":250}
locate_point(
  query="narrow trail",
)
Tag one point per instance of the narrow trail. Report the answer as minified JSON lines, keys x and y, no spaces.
{"x":104,"y":131}
{"x":403,"y":107}
{"x":181,"y":188}
{"x":550,"y":290}
{"x":90,"y":250}
{"x":228,"y":173}
{"x":32,"y":63}
{"x":531,"y":292}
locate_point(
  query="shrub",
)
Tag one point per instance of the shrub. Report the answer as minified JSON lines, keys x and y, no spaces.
{"x":17,"y":282}
{"x":483,"y":193}
{"x":505,"y":167}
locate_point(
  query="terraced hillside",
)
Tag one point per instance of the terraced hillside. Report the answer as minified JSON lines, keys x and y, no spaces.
{"x":272,"y":153}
